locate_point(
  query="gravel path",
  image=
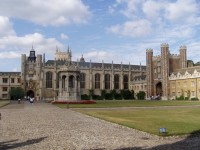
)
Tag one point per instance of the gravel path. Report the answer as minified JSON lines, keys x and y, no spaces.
{"x":44,"y":126}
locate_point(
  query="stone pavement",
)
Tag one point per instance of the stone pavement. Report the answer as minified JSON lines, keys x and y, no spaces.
{"x":44,"y":126}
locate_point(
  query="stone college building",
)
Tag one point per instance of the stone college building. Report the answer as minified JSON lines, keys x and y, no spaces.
{"x":168,"y":76}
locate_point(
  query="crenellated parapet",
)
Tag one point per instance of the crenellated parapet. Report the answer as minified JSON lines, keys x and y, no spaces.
{"x":149,"y":50}
{"x":164,"y":45}
{"x":185,"y":75}
{"x":174,"y":56}
{"x":157,"y":57}
{"x":183,"y":47}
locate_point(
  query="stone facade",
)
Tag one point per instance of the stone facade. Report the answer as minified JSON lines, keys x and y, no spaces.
{"x":167,"y":75}
{"x":159,"y":69}
{"x":8,"y":80}
{"x":64,"y":79}
{"x":185,"y":83}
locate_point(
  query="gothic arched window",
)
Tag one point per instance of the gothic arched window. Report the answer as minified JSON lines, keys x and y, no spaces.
{"x":71,"y":81}
{"x":82,"y":80}
{"x":97,"y":81}
{"x":49,"y":79}
{"x":116,"y":81}
{"x":125,"y":81}
{"x":107,"y":81}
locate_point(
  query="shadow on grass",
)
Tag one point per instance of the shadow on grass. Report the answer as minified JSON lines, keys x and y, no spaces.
{"x":14,"y":144}
{"x":191,"y":142}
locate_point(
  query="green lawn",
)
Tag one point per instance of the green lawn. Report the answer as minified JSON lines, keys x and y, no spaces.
{"x":178,"y":121}
{"x":130,"y":103}
{"x":4,"y":102}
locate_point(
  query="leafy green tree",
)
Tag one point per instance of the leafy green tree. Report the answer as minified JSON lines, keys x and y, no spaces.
{"x":103,"y":93}
{"x":16,"y":93}
{"x":91,"y":94}
{"x":113,"y":92}
{"x":141,"y":95}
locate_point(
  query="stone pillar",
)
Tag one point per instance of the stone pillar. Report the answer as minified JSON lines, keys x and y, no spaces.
{"x":122,"y":81}
{"x":102,"y":81}
{"x":60,"y":84}
{"x":183,"y":57}
{"x":67,"y":84}
{"x":165,"y":71}
{"x":149,"y":72}
{"x":112,"y":78}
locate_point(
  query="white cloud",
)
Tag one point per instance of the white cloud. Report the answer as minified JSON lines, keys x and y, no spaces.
{"x":152,"y":9}
{"x":176,"y":19}
{"x":6,"y":27}
{"x":14,"y":46}
{"x":48,"y":12}
{"x":9,"y":54}
{"x":95,"y":55}
{"x":64,"y":36}
{"x":182,"y":10}
{"x":138,"y":28}
{"x":132,"y":7}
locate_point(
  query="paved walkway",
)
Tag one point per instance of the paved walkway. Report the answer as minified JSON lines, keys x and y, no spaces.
{"x":44,"y":126}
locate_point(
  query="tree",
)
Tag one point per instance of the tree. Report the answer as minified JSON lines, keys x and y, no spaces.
{"x":103,"y":93}
{"x":141,"y":95}
{"x":91,"y":93}
{"x":16,"y":93}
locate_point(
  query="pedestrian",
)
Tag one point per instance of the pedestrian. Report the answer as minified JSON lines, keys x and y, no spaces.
{"x":19,"y":100}
{"x":31,"y":100}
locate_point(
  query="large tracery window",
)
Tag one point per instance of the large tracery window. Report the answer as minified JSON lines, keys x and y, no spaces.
{"x":97,"y":81}
{"x":116,"y":81}
{"x":49,"y":79}
{"x":107,"y":81}
{"x":125,"y":81}
{"x":82,"y":80}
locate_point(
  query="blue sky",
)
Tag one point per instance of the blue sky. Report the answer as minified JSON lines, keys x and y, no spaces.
{"x":109,"y":30}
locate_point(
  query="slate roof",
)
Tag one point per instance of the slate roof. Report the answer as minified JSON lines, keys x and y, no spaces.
{"x":97,"y":65}
{"x":10,"y":73}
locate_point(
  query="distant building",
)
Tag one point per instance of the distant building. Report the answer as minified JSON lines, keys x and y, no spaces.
{"x":8,"y":80}
{"x":64,"y":79}
{"x":170,"y":76}
{"x":167,"y":75}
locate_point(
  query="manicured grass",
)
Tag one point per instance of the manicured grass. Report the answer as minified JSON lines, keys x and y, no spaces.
{"x":130,"y":103}
{"x":4,"y":102}
{"x":178,"y":121}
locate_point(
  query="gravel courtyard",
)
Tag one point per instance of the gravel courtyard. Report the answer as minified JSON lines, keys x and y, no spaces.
{"x":44,"y":126}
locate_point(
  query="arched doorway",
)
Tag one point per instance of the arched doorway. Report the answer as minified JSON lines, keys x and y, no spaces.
{"x":159,"y":89}
{"x":30,"y":93}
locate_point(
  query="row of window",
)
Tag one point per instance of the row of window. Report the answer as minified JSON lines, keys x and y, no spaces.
{"x":12,"y":80}
{"x":192,"y":84}
{"x":107,"y":78}
{"x":139,"y":87}
{"x":193,"y":93}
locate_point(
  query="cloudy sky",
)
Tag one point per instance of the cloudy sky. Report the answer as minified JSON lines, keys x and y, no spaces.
{"x":109,"y":30}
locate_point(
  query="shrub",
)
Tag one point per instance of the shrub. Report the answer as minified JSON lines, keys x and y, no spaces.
{"x":141,"y":95}
{"x":194,"y":99}
{"x":113,"y":92}
{"x":16,"y":93}
{"x":103,"y":92}
{"x":108,"y":96}
{"x":118,"y":96}
{"x":91,"y":93}
{"x":97,"y":97}
{"x":180,"y":98}
{"x":126,"y":94}
{"x":85,"y":97}
{"x":75,"y":102}
{"x":186,"y":98}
